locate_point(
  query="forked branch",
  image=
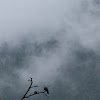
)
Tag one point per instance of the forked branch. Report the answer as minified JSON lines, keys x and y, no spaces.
{"x":35,"y":92}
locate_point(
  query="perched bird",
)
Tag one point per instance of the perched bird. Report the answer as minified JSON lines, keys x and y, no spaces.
{"x":35,"y":92}
{"x":46,"y":89}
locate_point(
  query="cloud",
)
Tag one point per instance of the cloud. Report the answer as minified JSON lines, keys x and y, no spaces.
{"x":50,"y":40}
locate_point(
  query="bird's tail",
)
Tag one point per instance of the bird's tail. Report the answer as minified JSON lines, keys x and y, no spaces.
{"x":48,"y":91}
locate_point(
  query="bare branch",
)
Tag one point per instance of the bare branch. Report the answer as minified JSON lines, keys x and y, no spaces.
{"x":46,"y":94}
{"x":28,"y":89}
{"x":35,"y":93}
{"x":34,"y":86}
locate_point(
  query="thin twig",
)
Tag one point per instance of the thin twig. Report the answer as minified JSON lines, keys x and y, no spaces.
{"x":46,"y":94}
{"x":34,"y":86}
{"x":34,"y":92}
{"x":51,"y":84}
{"x":28,"y":89}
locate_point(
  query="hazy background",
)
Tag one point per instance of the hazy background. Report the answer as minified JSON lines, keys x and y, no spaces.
{"x":50,"y":40}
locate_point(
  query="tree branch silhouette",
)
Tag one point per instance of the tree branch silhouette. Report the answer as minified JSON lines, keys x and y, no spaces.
{"x":35,"y":92}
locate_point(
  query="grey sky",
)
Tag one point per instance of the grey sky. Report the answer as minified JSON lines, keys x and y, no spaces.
{"x":50,"y":40}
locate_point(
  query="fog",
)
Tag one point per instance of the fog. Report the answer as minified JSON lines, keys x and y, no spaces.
{"x":50,"y":40}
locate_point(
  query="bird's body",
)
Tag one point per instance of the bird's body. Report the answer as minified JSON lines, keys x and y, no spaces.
{"x":46,"y":89}
{"x":35,"y":92}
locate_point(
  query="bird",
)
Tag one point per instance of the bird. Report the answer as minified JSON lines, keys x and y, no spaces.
{"x":46,"y":89}
{"x":35,"y":92}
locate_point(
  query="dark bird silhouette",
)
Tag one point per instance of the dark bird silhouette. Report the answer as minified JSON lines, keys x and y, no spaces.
{"x":35,"y":92}
{"x":46,"y":89}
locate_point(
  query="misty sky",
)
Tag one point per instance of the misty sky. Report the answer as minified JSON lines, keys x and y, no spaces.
{"x":50,"y":40}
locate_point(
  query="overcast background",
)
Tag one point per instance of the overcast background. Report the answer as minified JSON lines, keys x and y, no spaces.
{"x":50,"y":40}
